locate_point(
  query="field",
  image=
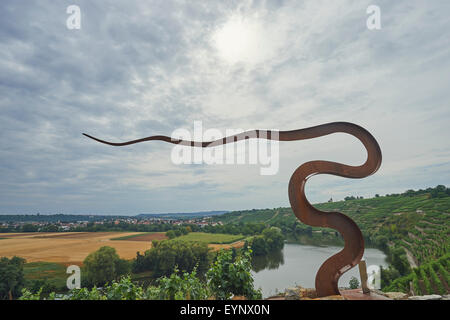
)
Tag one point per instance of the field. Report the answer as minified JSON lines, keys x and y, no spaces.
{"x":68,"y":247}
{"x":54,"y":273}
{"x":429,"y":278}
{"x":211,"y":238}
{"x":147,"y":236}
{"x":73,"y":247}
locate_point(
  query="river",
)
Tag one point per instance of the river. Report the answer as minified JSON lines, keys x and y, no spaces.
{"x":297,"y":264}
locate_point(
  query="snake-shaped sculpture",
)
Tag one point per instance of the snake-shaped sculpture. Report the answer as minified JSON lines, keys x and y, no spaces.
{"x":332,"y":269}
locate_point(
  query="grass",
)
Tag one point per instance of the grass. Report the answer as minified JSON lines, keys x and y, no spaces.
{"x":211,"y":238}
{"x":133,"y":236}
{"x":53,"y":273}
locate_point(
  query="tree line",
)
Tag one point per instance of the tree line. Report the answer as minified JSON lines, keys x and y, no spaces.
{"x":227,"y":276}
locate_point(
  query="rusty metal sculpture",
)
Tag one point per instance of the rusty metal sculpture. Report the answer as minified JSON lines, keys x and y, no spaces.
{"x":331,"y":270}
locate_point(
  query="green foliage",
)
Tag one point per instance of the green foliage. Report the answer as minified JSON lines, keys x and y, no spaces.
{"x":425,"y":279}
{"x":397,"y":257}
{"x":433,"y":276}
{"x":435,"y":280}
{"x":274,"y":238}
{"x":185,"y":287}
{"x":170,"y":234}
{"x":270,"y":240}
{"x":124,"y":289}
{"x":228,"y":276}
{"x":30,"y":228}
{"x":103,"y":266}
{"x":135,"y":235}
{"x":353,"y":283}
{"x":416,"y":220}
{"x":11,"y":277}
{"x":163,"y":255}
{"x":388,"y":275}
{"x":258,"y":245}
{"x":49,"y":275}
{"x":440,"y":192}
{"x":211,"y":237}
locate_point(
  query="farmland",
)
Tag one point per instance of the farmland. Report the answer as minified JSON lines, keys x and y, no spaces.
{"x":69,"y":247}
{"x":73,"y":247}
{"x":429,"y":278}
{"x":147,"y":236}
{"x":51,"y":272}
{"x":210,"y":238}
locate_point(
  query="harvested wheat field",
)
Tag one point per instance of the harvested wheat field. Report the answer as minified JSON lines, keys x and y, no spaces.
{"x":147,"y":236}
{"x":237,"y":245}
{"x":67,"y":247}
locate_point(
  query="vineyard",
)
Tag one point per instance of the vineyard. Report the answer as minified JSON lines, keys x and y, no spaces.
{"x":412,"y":228}
{"x":429,"y":278}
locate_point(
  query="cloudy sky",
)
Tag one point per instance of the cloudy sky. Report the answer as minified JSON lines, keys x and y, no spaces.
{"x":138,"y":68}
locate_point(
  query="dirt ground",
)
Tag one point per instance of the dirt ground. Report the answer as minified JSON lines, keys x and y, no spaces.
{"x":68,"y":247}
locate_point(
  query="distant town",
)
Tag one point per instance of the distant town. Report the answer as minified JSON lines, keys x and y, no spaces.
{"x":61,"y":222}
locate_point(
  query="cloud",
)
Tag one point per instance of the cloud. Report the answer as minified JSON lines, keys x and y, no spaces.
{"x":139,"y":68}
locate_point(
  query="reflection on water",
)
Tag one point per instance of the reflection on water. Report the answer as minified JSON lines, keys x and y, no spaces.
{"x":273,"y":260}
{"x":297,"y":264}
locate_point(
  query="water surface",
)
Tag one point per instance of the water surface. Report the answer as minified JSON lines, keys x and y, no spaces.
{"x":297,"y":264}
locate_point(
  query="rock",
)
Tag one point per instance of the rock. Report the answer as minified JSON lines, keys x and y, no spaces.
{"x":308,"y":293}
{"x":396,"y":295}
{"x":280,"y":297}
{"x":335,"y":297}
{"x":446,"y":297}
{"x":292,"y":293}
{"x":426,"y":297}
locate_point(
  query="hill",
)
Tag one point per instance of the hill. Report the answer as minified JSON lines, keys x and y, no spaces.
{"x":181,"y":215}
{"x":430,"y":278}
{"x":412,"y":228}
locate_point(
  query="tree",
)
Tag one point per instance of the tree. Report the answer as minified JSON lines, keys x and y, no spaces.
{"x":103,"y":266}
{"x":399,"y":261}
{"x":171,"y":234}
{"x":354,"y":283}
{"x":228,"y":277}
{"x":274,"y":238}
{"x":30,"y":228}
{"x":11,"y":277}
{"x":259,"y":246}
{"x":164,"y":255}
{"x":176,"y":287}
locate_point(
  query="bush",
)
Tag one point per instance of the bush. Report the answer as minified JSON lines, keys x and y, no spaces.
{"x":103,"y":266}
{"x":11,"y":277}
{"x":228,"y":277}
{"x":353,"y":283}
{"x":271,"y":239}
{"x":170,"y":234}
{"x":175,"y":287}
{"x":163,"y":255}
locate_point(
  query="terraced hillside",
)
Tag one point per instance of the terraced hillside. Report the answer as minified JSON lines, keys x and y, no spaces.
{"x":417,"y":222}
{"x":429,"y":278}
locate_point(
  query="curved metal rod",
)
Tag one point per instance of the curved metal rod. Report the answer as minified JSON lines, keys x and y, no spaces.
{"x":332,"y":269}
